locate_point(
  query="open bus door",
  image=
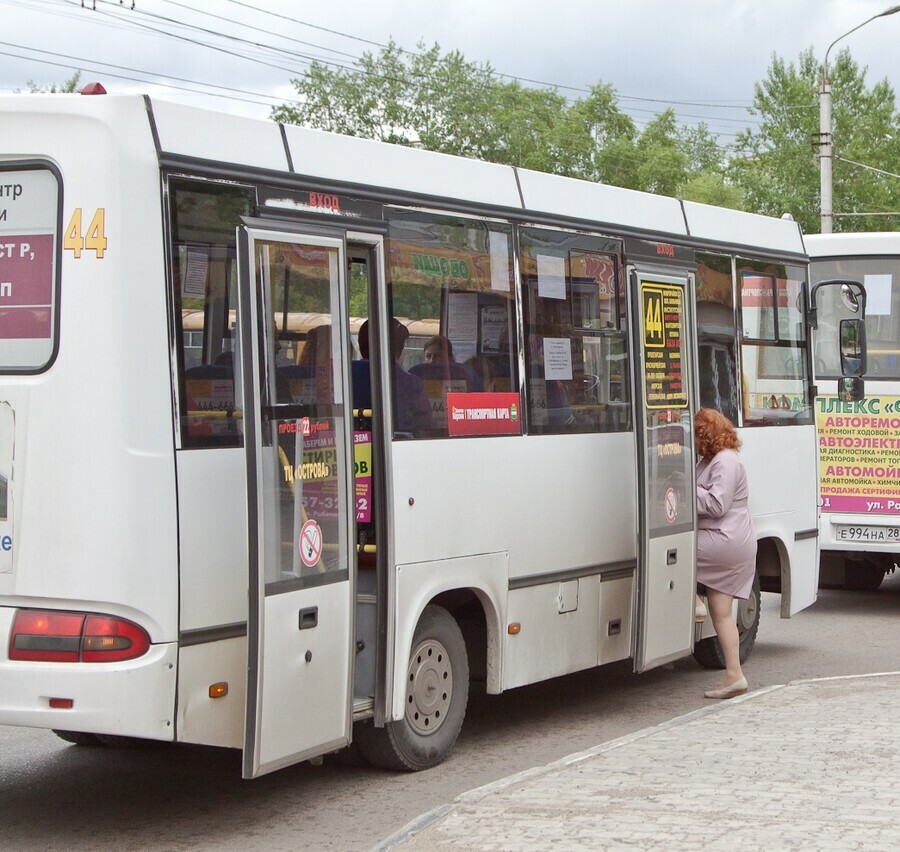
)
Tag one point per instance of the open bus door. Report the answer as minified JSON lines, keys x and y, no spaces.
{"x":666,"y":579}
{"x":298,"y":438}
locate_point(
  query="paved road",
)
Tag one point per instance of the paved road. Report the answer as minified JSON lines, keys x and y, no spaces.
{"x":184,"y":798}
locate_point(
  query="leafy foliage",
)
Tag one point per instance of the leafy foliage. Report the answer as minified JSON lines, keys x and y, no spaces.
{"x":778,"y":169}
{"x":442,"y":102}
{"x":69,"y":86}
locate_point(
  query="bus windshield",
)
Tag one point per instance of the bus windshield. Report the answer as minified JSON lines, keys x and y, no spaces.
{"x":881,"y":278}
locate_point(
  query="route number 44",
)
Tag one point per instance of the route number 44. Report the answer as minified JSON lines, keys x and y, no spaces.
{"x":93,"y":239}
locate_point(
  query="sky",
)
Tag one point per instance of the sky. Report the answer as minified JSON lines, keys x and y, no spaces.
{"x":698,"y":57}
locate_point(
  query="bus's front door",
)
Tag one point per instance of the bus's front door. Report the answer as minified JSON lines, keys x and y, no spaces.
{"x":297,"y":426}
{"x":665,"y":439}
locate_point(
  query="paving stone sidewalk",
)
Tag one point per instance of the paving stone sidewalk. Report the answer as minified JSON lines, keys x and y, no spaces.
{"x":811,"y":765}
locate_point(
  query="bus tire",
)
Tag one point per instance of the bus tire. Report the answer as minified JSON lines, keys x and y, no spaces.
{"x":708,"y":652}
{"x":78,"y":738}
{"x":862,"y":576}
{"x":437,"y":692}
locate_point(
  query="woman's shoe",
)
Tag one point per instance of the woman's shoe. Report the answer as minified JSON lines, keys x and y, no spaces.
{"x":700,"y":612}
{"x":739,"y":687}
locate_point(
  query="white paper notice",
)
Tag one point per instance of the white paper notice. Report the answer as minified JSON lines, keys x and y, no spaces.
{"x":493,"y":323}
{"x":878,"y":294}
{"x":557,"y":358}
{"x":499,"y":261}
{"x":462,"y":317}
{"x":551,"y":277}
{"x":194,"y":283}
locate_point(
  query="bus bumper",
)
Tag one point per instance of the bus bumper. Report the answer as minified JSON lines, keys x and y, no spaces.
{"x":132,"y":699}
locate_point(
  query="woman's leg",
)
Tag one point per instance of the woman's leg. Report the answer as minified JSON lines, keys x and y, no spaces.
{"x":720,"y":606}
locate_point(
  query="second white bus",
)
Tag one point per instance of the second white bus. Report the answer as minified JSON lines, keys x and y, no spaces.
{"x":859,"y":442}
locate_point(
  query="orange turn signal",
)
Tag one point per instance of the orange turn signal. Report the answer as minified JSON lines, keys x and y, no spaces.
{"x":514,"y":628}
{"x":218,"y":690}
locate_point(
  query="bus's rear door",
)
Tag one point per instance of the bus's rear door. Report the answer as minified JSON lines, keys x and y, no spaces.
{"x":665,"y":441}
{"x":298,"y":437}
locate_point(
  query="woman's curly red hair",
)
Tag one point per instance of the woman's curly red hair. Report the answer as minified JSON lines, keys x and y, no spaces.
{"x":713,"y":432}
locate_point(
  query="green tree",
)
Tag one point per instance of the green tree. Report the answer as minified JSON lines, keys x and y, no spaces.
{"x":777,"y":167}
{"x":444,"y":103}
{"x":69,"y":86}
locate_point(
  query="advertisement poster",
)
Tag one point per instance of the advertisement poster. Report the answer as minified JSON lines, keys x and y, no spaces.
{"x":859,"y":454}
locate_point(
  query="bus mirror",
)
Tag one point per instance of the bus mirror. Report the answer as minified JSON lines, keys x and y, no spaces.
{"x":852,"y":296}
{"x":851,"y":389}
{"x":853,"y":348}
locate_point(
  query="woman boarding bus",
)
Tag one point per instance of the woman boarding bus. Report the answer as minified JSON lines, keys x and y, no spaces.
{"x":167,"y":447}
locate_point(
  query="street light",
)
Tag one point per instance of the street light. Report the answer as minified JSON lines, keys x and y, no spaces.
{"x":825,"y":150}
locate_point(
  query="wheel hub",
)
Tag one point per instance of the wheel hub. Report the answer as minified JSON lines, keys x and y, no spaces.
{"x":429,"y":687}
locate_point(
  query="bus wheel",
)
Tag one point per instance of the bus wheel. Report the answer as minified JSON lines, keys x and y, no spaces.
{"x":708,"y":652}
{"x":78,"y":738}
{"x":862,"y":576}
{"x":437,"y":691}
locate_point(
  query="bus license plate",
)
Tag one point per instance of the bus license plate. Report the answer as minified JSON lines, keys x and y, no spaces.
{"x":848,"y":533}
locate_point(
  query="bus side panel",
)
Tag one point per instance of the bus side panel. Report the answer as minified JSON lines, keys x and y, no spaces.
{"x":212,"y":507}
{"x":777,"y":482}
{"x":559,"y":631}
{"x":212,"y":721}
{"x":417,"y":584}
{"x":554,"y":503}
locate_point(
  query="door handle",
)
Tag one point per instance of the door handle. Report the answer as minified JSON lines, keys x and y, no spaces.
{"x":672,"y":556}
{"x":309,"y":617}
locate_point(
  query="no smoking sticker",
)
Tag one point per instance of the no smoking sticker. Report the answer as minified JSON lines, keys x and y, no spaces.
{"x":671,"y":502}
{"x":310,"y":543}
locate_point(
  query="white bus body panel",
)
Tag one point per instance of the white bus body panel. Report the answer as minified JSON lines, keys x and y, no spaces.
{"x":783,"y":494}
{"x":529,"y":478}
{"x":218,"y":137}
{"x":212,"y":488}
{"x":600,"y":203}
{"x":95,"y":525}
{"x":835,"y":245}
{"x":764,"y":233}
{"x":347,"y":159}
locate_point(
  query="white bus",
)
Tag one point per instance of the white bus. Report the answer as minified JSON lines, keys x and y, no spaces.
{"x":859,"y":442}
{"x":185,"y":553}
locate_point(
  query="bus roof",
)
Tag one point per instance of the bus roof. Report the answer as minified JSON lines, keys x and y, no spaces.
{"x":187,"y":134}
{"x":872,"y":243}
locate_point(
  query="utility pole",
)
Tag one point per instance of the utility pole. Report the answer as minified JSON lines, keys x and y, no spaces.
{"x":826,"y":148}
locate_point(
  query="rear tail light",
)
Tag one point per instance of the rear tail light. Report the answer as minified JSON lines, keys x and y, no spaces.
{"x":74,"y":637}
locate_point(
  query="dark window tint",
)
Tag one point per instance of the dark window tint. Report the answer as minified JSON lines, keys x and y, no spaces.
{"x":204,"y":220}
{"x":717,"y":336}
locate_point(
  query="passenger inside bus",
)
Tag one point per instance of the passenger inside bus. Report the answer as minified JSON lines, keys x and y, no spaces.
{"x":440,"y":364}
{"x":310,"y":381}
{"x":412,"y":411}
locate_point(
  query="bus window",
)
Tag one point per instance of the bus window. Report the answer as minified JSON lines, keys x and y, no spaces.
{"x":880,"y":276}
{"x":717,"y":335}
{"x":450,"y":284}
{"x":773,"y":347}
{"x":204,"y":272}
{"x":575,"y":348}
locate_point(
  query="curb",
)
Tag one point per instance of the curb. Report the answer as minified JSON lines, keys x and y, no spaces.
{"x":424,"y":821}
